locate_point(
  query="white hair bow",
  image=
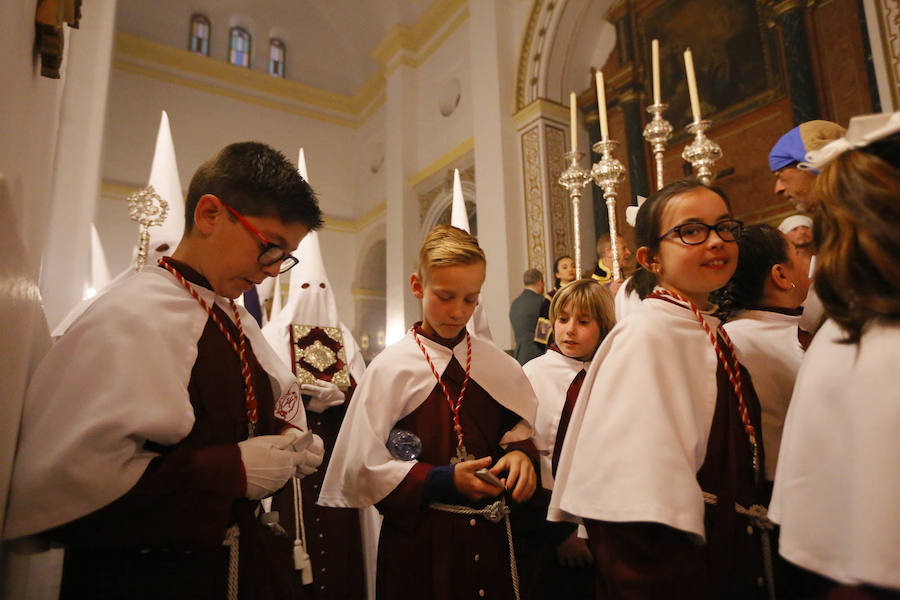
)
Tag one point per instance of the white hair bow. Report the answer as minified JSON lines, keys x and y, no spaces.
{"x":632,"y":211}
{"x":862,"y":131}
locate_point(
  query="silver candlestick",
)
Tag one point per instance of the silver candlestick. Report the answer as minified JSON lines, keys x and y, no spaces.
{"x":149,"y":209}
{"x":574,"y":178}
{"x":607,"y":174}
{"x":702,"y":152}
{"x":657,"y":133}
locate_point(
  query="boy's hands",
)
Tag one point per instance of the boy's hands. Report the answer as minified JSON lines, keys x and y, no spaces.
{"x":521,"y":479}
{"x":469,"y":485}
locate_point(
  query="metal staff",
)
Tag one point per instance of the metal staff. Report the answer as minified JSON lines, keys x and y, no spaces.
{"x":149,"y":209}
{"x":608,"y":173}
{"x":574,"y":178}
{"x":657,"y":133}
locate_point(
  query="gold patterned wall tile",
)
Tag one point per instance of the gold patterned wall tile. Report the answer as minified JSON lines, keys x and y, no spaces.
{"x":889,"y":24}
{"x":534,"y":197}
{"x":561,"y":237}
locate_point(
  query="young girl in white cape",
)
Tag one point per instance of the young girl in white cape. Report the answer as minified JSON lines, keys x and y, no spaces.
{"x":837,"y":489}
{"x":664,"y":455}
{"x":582,"y":313}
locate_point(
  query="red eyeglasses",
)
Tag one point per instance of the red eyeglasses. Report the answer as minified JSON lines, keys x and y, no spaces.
{"x":271,"y":253}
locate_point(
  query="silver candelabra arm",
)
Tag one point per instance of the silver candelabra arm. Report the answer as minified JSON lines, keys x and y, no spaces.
{"x":657,"y":133}
{"x":702,"y":153}
{"x":607,"y":173}
{"x":149,"y":210}
{"x":574,"y":178}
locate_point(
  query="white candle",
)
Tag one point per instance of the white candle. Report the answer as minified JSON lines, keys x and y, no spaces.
{"x":655,"y":51}
{"x":692,"y":84}
{"x":601,"y":107}
{"x":573,"y":121}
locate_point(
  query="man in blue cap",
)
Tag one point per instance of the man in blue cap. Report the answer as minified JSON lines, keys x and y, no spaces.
{"x":794,"y":184}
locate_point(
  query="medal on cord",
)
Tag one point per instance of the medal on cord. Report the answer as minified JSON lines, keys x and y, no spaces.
{"x":461,"y":454}
{"x":240,"y":349}
{"x":734,"y":375}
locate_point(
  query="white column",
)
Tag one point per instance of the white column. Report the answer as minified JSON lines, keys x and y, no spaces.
{"x":497,"y":194}
{"x":66,"y":266}
{"x":401,"y":216}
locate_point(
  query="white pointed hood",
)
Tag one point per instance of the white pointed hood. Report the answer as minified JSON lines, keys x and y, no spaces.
{"x":301,"y":166}
{"x":459,"y":217}
{"x":164,"y":179}
{"x":310,"y":302}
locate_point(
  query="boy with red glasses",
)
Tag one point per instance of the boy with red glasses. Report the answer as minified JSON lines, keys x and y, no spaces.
{"x":155,"y":425}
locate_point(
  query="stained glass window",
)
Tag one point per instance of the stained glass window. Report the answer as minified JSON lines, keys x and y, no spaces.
{"x":199,"y":41}
{"x":239,"y":47}
{"x":276,"y":57}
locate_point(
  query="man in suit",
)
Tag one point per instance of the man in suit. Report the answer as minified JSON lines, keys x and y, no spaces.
{"x":523,"y":314}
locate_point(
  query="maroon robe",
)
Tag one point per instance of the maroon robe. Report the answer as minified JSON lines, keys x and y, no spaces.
{"x":333,"y":535}
{"x":651,"y":560}
{"x":163,"y":538}
{"x":551,"y":579}
{"x":425,"y":553}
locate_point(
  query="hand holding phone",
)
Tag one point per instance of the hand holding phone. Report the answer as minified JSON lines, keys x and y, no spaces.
{"x":488,"y":477}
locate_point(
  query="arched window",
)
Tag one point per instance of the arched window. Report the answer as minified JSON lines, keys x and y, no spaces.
{"x":276,"y":57}
{"x":239,"y":47}
{"x":199,"y":40}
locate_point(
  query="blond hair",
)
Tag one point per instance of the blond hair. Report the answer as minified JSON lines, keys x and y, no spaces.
{"x":448,"y":246}
{"x":586,"y":297}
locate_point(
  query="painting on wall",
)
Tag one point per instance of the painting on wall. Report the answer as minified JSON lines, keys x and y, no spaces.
{"x":734,"y":56}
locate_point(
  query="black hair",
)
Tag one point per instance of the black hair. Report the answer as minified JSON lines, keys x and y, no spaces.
{"x":255,"y":180}
{"x":760,"y":247}
{"x":556,"y":281}
{"x":649,"y":222}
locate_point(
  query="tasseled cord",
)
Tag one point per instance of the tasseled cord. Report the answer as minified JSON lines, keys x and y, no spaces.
{"x":301,"y":556}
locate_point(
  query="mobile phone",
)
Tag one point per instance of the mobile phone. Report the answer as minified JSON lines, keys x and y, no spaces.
{"x":488,"y":477}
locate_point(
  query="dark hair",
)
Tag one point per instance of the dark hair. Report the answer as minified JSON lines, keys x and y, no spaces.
{"x":556,"y":281}
{"x":255,"y":180}
{"x":760,"y":247}
{"x":532,"y":276}
{"x":856,"y":230}
{"x":647,"y":227}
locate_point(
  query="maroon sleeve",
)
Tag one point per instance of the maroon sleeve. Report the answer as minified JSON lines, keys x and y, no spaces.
{"x":647,"y":561}
{"x":403,"y":507}
{"x":184,"y":499}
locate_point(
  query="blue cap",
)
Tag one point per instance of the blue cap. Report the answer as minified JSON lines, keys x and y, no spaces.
{"x":787,"y":150}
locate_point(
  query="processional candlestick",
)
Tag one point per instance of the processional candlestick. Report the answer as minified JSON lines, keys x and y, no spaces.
{"x":657,"y":133}
{"x":607,"y":173}
{"x":574,"y":178}
{"x":702,"y":153}
{"x":149,"y":210}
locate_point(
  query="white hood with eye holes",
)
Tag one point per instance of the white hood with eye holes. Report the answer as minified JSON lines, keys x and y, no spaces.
{"x":310,"y":302}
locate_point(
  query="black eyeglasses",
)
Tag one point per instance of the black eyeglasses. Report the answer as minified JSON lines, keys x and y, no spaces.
{"x":693,"y":234}
{"x":271,"y":253}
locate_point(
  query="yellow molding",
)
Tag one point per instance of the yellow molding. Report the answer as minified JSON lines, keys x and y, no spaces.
{"x":119,"y":191}
{"x":441,"y":163}
{"x":402,"y":39}
{"x":541,"y":108}
{"x":370,"y":217}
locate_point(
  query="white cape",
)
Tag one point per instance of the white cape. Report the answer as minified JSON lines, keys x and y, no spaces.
{"x":837,"y":489}
{"x":767,"y":345}
{"x":116,"y":380}
{"x":641,"y":423}
{"x":550,"y":375}
{"x":362,"y":471}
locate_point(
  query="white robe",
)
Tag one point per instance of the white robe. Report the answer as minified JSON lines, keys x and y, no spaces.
{"x":550,"y":375}
{"x":362,"y":470}
{"x":767,"y":345}
{"x":117,"y":379}
{"x":641,"y":423}
{"x":837,"y":488}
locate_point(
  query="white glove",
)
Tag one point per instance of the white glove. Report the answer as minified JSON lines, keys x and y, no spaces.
{"x":309,"y":449}
{"x":269,"y":461}
{"x":324,"y":395}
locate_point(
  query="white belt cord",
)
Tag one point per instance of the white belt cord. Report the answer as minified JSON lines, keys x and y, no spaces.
{"x":232,"y":540}
{"x":496,"y":512}
{"x":301,"y":556}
